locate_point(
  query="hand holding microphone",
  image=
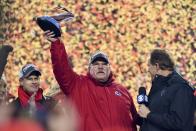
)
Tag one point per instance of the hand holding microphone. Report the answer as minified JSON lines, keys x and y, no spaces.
{"x":142,"y":99}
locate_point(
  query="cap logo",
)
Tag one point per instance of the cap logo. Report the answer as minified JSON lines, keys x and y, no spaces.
{"x":99,"y":55}
{"x":29,"y":66}
{"x":118,"y":93}
{"x":27,"y":69}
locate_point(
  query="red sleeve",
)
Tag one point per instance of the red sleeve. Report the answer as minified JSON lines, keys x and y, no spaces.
{"x":63,"y":72}
{"x":136,"y":118}
{"x":133,"y":111}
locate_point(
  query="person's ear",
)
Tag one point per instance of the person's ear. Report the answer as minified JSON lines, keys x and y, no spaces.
{"x":157,"y":66}
{"x":21,"y":81}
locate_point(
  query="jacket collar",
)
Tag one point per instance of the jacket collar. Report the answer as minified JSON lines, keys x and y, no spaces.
{"x":159,"y":82}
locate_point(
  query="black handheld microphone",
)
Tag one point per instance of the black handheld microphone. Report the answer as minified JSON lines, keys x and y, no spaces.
{"x":142,"y":97}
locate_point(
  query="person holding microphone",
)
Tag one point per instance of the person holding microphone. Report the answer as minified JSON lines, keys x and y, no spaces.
{"x":170,"y":105}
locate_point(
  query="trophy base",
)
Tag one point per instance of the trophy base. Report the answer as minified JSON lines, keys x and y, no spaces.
{"x":49,"y":23}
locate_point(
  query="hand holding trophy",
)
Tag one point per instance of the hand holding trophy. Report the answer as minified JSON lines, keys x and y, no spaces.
{"x":52,"y":23}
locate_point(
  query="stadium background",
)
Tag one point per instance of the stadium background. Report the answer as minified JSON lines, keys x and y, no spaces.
{"x":127,"y":30}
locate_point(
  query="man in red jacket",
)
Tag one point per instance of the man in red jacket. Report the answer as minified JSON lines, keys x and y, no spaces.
{"x":103,"y":105}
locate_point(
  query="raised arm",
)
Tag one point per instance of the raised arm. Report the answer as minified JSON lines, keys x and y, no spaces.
{"x":62,"y":69}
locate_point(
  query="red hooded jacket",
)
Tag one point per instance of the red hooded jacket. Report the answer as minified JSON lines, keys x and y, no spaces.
{"x":102,"y":107}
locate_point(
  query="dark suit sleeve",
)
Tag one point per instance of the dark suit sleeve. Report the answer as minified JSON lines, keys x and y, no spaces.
{"x":178,"y":113}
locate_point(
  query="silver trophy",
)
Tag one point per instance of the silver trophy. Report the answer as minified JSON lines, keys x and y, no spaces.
{"x":52,"y":22}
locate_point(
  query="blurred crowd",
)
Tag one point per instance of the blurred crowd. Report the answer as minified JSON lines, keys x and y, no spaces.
{"x":127,"y":30}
